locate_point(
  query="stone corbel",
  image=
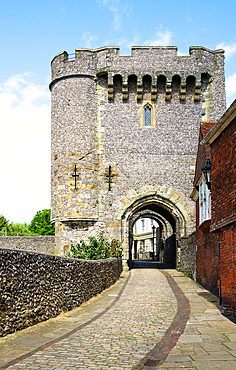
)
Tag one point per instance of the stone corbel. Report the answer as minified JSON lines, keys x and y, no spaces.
{"x":110,"y":87}
{"x":139,"y":88}
{"x":168,"y":90}
{"x":124,"y":87}
{"x":182,"y":90}
{"x":197,"y":91}
{"x":154,"y":88}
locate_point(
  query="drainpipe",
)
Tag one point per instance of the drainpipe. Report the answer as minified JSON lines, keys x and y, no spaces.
{"x":220,"y":297}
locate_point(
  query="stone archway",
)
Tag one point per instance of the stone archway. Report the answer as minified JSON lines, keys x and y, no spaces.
{"x":166,"y":206}
{"x":164,"y":230}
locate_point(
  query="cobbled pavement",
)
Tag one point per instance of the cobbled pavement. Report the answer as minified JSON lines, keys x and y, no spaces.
{"x":122,"y":336}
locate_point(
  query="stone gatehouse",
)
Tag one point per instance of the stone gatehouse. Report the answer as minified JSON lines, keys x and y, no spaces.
{"x":124,"y":140}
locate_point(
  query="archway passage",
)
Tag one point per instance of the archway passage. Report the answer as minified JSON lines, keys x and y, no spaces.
{"x":163,"y":237}
{"x":171,"y":224}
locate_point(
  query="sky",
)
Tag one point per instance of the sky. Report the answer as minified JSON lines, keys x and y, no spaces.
{"x":32,"y":32}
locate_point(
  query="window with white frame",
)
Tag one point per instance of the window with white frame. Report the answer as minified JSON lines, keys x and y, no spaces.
{"x":204,"y":202}
{"x":143,"y":225}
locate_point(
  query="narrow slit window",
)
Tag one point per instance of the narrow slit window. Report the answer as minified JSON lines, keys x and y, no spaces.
{"x":147,"y":116}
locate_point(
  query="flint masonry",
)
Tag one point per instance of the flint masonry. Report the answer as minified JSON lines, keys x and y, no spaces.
{"x":124,"y":140}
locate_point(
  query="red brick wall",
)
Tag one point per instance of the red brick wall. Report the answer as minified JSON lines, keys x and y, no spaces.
{"x":223,"y":173}
{"x":227,"y":237}
{"x":207,"y":265}
{"x":223,"y":222}
{"x":222,"y":226}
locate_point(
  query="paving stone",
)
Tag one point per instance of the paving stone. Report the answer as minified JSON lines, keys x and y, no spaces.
{"x":230,"y":345}
{"x":176,"y":358}
{"x":212,"y":365}
{"x":215,"y":356}
{"x":210,"y":318}
{"x":175,"y":366}
{"x":214,"y":338}
{"x":232,"y":337}
{"x":190,"y":338}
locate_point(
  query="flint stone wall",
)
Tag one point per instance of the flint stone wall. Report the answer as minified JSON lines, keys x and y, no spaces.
{"x":38,"y":244}
{"x":188,"y":255}
{"x":35,"y":287}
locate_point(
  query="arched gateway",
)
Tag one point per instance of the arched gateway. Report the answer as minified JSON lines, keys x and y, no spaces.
{"x":167,"y":208}
{"x":124,"y":141}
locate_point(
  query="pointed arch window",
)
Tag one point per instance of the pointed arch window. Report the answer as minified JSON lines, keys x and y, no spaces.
{"x":147,"y":119}
{"x":147,"y":116}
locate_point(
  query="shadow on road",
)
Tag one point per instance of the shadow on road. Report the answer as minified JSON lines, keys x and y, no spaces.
{"x":148,"y":264}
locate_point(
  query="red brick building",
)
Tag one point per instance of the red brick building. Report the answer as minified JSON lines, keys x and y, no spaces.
{"x":216,"y":209}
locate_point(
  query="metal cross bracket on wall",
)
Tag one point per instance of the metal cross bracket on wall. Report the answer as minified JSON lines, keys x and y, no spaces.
{"x":75,"y":176}
{"x":109,"y":177}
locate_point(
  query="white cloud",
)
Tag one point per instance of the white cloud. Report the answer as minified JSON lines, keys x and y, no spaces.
{"x":118,"y":11}
{"x":229,"y":49}
{"x":24,"y":148}
{"x":89,"y":39}
{"x":230,"y":83}
{"x":118,"y":16}
{"x":130,"y":43}
{"x":163,"y":37}
{"x":103,"y":2}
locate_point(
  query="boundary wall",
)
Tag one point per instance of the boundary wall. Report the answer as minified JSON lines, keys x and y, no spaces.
{"x":37,"y":244}
{"x":35,"y":287}
{"x":187,"y":260}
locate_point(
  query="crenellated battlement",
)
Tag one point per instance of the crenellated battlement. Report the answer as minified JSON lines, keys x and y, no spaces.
{"x":144,"y":59}
{"x":155,"y":62}
{"x":139,"y":51}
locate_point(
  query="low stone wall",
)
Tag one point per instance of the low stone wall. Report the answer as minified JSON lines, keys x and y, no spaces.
{"x":188,"y":255}
{"x":38,"y":244}
{"x":35,"y":287}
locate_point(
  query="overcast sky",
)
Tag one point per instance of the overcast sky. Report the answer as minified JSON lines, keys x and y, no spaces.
{"x":33,"y":32}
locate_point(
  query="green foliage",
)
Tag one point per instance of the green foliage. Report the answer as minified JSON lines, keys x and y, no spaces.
{"x":12,"y":228}
{"x":41,"y":224}
{"x":188,"y":274}
{"x":19,"y":228}
{"x":4,"y":224}
{"x":97,"y":248}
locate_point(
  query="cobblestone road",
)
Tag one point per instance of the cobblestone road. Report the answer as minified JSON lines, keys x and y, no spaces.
{"x":121,"y":337}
